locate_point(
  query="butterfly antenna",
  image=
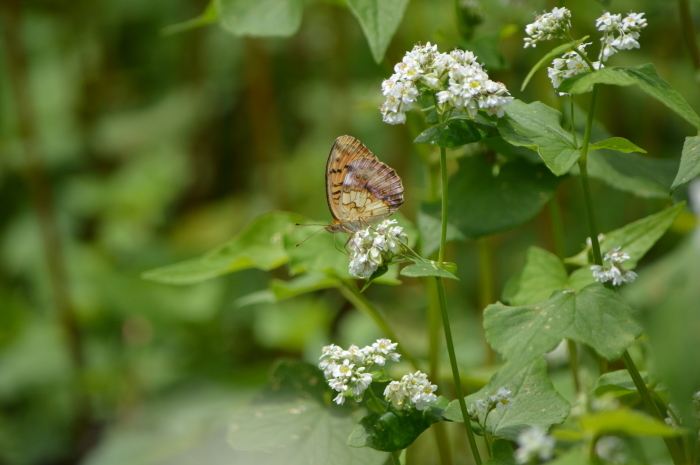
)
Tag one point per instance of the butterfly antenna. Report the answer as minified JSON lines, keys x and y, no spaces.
{"x":310,"y":235}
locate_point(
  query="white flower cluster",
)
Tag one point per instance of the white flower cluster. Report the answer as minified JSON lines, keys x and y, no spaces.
{"x":615,"y":272}
{"x":618,"y":33}
{"x":500,"y":399}
{"x":370,"y":251}
{"x":548,"y":26}
{"x":415,"y":387}
{"x":569,"y":65}
{"x":534,"y":442}
{"x":460,"y":84}
{"x":349,"y":369}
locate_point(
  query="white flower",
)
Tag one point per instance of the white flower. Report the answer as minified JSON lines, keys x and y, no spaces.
{"x":548,"y":26}
{"x":395,"y":392}
{"x":415,"y":387}
{"x":362,"y":267}
{"x":615,"y":256}
{"x":533,"y":442}
{"x":371,"y":248}
{"x":619,"y":34}
{"x":614,"y":273}
{"x":569,"y":65}
{"x":610,"y":448}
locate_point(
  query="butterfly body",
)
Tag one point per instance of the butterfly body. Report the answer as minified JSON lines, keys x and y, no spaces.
{"x":360,"y":189}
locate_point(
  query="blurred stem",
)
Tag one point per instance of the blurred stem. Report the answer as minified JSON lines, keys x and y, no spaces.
{"x":486,"y":289}
{"x":689,"y":32}
{"x":446,"y":316}
{"x":350,"y":292}
{"x":573,"y":362}
{"x":584,"y":179}
{"x":673,"y":447}
{"x":395,"y":458}
{"x":40,"y":190}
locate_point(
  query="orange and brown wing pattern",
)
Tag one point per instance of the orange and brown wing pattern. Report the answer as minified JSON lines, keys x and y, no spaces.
{"x":345,"y":150}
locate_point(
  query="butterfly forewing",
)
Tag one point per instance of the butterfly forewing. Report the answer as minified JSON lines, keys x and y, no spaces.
{"x":360,"y":189}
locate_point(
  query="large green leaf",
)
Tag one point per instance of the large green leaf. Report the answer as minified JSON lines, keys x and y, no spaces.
{"x":538,"y":127}
{"x":625,"y":421}
{"x":536,"y":403}
{"x":395,"y":430}
{"x":260,"y":246}
{"x":481,"y":204}
{"x":294,"y":419}
{"x":690,"y":165}
{"x":635,"y":238}
{"x":645,"y":76}
{"x":596,"y":316}
{"x":261,"y":17}
{"x":456,"y":132}
{"x":501,"y":453}
{"x":422,"y":269}
{"x":542,"y":274}
{"x":429,"y":227}
{"x":667,"y":293}
{"x":379,"y":20}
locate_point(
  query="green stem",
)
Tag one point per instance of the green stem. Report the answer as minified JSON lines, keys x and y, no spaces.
{"x":395,"y":458}
{"x":446,"y":316}
{"x":673,"y":447}
{"x":350,"y":292}
{"x":597,"y":257}
{"x":573,"y":362}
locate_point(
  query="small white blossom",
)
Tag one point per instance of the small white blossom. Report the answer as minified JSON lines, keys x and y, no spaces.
{"x":534,"y":443}
{"x":372,"y":250}
{"x":415,"y":387}
{"x":457,"y":80}
{"x":618,"y":33}
{"x":548,"y":26}
{"x":500,"y":399}
{"x":569,"y":65}
{"x":615,"y":273}
{"x":395,"y":392}
{"x":350,"y":369}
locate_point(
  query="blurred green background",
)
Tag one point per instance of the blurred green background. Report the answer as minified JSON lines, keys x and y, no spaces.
{"x":156,"y":148}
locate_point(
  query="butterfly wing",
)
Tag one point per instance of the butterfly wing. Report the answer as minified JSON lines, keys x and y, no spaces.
{"x":345,"y":150}
{"x":371,"y":191}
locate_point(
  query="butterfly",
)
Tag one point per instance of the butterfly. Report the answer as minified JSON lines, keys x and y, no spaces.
{"x":360,"y":189}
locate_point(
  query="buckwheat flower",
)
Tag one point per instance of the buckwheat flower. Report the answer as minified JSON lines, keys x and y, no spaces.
{"x":615,"y":273}
{"x":362,"y":267}
{"x":502,"y":398}
{"x":330,"y":357}
{"x":362,"y":380}
{"x":534,"y":443}
{"x":615,"y":256}
{"x":354,"y":354}
{"x":395,"y":392}
{"x":618,"y":33}
{"x":569,"y":65}
{"x":610,"y":448}
{"x":386,"y":347}
{"x":548,"y":26}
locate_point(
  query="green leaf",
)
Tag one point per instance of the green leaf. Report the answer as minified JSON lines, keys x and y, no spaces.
{"x":379,"y":20}
{"x":690,"y":166}
{"x":264,"y":18}
{"x":482,"y":204}
{"x":574,"y":456}
{"x":667,"y":295}
{"x":619,"y":144}
{"x":381,"y":271}
{"x":544,"y":61}
{"x":617,"y":383}
{"x":210,"y":15}
{"x":542,"y":274}
{"x":635,"y":238}
{"x":625,"y":421}
{"x":304,"y":284}
{"x":260,"y":246}
{"x":294,"y":419}
{"x":536,"y":403}
{"x":596,"y":316}
{"x":422,"y":269}
{"x":429,"y":227}
{"x":395,"y":429}
{"x":538,"y":127}
{"x":456,"y":132}
{"x":645,"y":76}
{"x":640,"y":175}
{"x":501,"y":453}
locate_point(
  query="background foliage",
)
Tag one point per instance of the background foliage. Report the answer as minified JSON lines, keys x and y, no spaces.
{"x":161,"y":141}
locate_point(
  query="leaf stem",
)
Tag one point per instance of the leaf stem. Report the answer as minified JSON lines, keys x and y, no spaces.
{"x":597,"y":257}
{"x":350,"y":292}
{"x":446,"y":316}
{"x":395,"y":458}
{"x":686,"y":18}
{"x":671,"y":443}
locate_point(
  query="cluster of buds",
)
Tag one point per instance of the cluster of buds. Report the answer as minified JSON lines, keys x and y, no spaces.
{"x":614,"y":273}
{"x":548,"y":26}
{"x":414,"y":387}
{"x":348,"y":371}
{"x":457,"y":80}
{"x":371,"y":248}
{"x":619,"y":34}
{"x":501,"y":399}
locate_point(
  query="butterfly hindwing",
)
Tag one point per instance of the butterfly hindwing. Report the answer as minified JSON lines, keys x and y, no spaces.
{"x":360,"y":189}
